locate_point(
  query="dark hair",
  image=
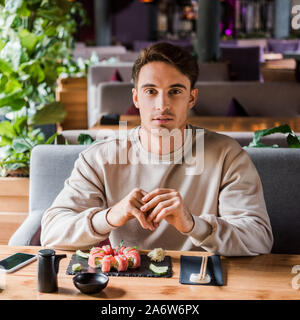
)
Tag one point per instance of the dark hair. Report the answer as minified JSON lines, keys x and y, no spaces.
{"x":176,"y":56}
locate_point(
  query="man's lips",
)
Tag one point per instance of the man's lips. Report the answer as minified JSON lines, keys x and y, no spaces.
{"x":162,"y":118}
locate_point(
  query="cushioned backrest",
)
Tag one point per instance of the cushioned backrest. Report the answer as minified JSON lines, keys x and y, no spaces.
{"x":50,"y":166}
{"x":84,"y":52}
{"x":99,"y":73}
{"x":279,"y":170}
{"x":244,"y":62}
{"x":114,"y":97}
{"x":283,"y":45}
{"x":103,"y":72}
{"x":258,"y":99}
{"x":213,"y":71}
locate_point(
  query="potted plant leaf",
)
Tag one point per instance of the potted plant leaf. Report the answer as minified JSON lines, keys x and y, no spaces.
{"x":293,"y":141}
{"x":36,"y":40}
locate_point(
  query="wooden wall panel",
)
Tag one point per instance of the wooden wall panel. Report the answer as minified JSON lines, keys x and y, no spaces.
{"x":72,"y":93}
{"x":14,"y":194}
{"x":9,"y":223}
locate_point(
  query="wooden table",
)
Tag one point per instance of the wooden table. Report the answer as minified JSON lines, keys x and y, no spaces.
{"x":220,"y":123}
{"x":261,"y":277}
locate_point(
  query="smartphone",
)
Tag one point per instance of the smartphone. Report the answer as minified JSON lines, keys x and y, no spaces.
{"x":16,"y":261}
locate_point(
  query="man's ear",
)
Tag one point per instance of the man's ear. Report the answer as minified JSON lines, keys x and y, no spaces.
{"x":135,"y":97}
{"x":193,"y":97}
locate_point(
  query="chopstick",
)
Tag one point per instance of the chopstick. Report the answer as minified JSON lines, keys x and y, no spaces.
{"x":203,"y":267}
{"x":201,"y":277}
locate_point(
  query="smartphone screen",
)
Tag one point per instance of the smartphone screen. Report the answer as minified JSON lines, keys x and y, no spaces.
{"x":14,"y":260}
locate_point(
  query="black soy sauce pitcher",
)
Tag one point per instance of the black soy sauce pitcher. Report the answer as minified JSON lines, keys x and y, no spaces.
{"x":48,"y":264}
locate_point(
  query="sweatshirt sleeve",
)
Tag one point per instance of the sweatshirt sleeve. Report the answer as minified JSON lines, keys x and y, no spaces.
{"x":67,"y":224}
{"x":242,"y":226}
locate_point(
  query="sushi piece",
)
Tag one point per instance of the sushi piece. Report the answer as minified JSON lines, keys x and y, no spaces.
{"x":108,"y":249}
{"x":134,"y":259}
{"x":121,"y":263}
{"x":95,"y":259}
{"x":96,"y":250}
{"x":129,"y":249}
{"x":119,"y":250}
{"x":107,"y":262}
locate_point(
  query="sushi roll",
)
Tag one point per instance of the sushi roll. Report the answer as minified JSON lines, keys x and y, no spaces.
{"x":120,"y":258}
{"x":107,"y":262}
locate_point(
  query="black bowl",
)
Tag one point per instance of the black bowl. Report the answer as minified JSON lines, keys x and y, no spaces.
{"x":90,"y":282}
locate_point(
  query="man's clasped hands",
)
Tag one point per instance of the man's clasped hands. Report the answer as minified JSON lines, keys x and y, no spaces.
{"x":150,"y":208}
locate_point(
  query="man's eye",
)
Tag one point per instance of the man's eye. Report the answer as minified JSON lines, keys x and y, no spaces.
{"x":150,"y":91}
{"x":175,"y":91}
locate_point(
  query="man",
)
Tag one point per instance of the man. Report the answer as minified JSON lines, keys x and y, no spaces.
{"x":219,"y":208}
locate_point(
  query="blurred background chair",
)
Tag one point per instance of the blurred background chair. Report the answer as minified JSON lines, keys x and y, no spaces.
{"x":282,"y":46}
{"x":50,"y":166}
{"x":103,"y":72}
{"x":268,"y":99}
{"x":213,"y":71}
{"x":244,"y":62}
{"x":85,"y":52}
{"x":113,"y":98}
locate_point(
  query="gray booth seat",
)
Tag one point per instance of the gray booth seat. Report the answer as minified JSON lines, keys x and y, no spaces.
{"x":50,"y":166}
{"x":213,"y":71}
{"x":278,"y":168}
{"x":97,"y":74}
{"x":113,"y":98}
{"x":269,"y":99}
{"x":85,"y":52}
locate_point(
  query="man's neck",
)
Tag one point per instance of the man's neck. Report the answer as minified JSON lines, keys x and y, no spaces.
{"x":163,"y":142}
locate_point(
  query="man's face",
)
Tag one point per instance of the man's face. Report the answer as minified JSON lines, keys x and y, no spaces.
{"x":163,"y":95}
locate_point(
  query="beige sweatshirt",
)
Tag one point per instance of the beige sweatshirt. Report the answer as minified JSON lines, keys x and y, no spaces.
{"x":227,"y":194}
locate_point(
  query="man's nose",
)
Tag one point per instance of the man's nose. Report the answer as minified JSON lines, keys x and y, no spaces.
{"x":162,"y":102}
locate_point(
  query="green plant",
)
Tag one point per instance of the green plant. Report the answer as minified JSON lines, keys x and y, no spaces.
{"x":36,"y":41}
{"x":79,"y":67}
{"x":85,"y":139}
{"x":15,"y":155}
{"x":292,"y":139}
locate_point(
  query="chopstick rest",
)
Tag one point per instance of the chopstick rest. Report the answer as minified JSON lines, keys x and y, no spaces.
{"x":191,"y":264}
{"x":201,"y":277}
